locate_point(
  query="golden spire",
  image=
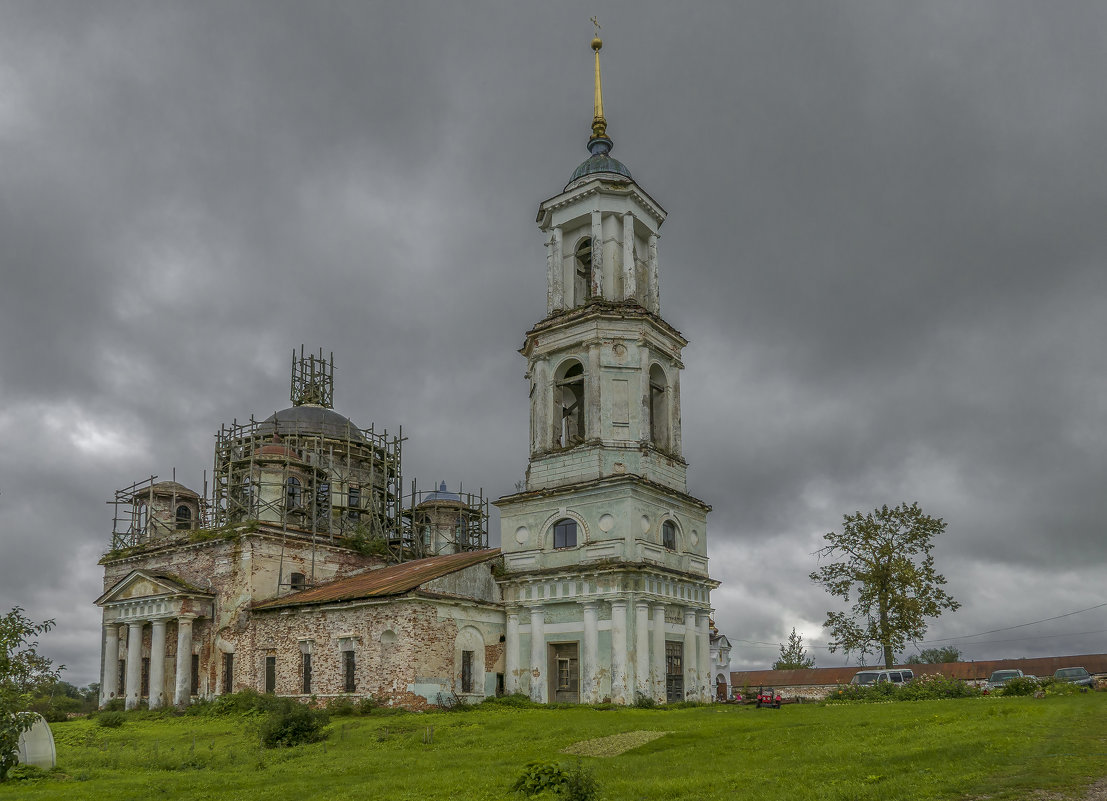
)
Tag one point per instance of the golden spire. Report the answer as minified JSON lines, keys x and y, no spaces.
{"x":599,"y":124}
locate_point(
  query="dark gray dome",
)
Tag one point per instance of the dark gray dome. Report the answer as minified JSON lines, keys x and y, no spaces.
{"x":310,"y":419}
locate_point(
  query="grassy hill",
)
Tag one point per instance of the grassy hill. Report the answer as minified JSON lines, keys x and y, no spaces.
{"x":949,"y":749}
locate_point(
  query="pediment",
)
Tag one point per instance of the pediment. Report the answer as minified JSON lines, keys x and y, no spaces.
{"x":141,"y":584}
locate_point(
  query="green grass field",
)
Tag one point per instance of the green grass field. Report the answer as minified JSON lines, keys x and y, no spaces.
{"x":950,"y":749}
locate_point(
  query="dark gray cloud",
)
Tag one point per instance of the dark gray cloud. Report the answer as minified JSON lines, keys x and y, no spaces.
{"x":885,"y":244}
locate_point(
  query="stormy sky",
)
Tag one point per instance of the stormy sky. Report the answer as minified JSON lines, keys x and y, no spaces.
{"x":886,"y":244}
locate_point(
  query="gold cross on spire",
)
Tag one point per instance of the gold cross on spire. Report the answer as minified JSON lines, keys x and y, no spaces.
{"x":599,"y":124}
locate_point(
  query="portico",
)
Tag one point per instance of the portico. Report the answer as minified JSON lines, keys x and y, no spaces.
{"x":140,"y":609}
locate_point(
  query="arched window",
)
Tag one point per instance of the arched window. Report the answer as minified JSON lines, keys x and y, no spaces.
{"x":569,"y":405}
{"x":659,"y":408}
{"x":582,"y":277}
{"x":668,"y":535}
{"x":293,"y":493}
{"x":142,"y":518}
{"x":184,"y":518}
{"x":565,"y":533}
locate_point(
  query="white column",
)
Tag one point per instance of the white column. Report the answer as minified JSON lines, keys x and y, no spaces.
{"x":543,"y":403}
{"x":157,"y":663}
{"x":134,"y":664}
{"x":674,"y":413}
{"x":183,"y":689}
{"x":589,"y":667}
{"x":109,"y":671}
{"x":691,"y":649}
{"x":642,"y":648}
{"x":511,"y":654}
{"x":658,"y":653}
{"x":654,"y":303}
{"x":630,"y":287}
{"x":593,"y":423}
{"x":538,"y":690}
{"x":619,"y":680}
{"x":597,"y":255}
{"x":703,"y":658}
{"x":557,"y":288}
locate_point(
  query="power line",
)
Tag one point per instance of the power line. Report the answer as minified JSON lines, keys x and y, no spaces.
{"x":1019,"y":626}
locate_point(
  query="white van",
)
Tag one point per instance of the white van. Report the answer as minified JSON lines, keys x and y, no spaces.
{"x":878,"y":676}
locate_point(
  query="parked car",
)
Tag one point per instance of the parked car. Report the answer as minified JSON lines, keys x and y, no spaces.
{"x":769,"y":698}
{"x":1001,"y":677}
{"x":1075,"y":675}
{"x":879,"y":676}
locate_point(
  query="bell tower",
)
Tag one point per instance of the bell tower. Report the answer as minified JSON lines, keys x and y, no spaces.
{"x":605,"y":552}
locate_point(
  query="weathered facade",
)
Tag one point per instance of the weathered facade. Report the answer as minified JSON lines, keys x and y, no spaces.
{"x":305,"y":574}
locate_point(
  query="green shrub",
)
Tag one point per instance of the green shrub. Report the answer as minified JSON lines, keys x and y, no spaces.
{"x":1020,"y":685}
{"x":574,"y":784}
{"x":26,"y":773}
{"x":111,"y":720}
{"x":538,"y":777}
{"x":293,"y":723}
{"x":341,"y":707}
{"x":935,"y":685}
{"x":643,"y":701}
{"x":517,"y":700}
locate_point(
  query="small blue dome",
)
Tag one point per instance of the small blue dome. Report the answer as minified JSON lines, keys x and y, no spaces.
{"x":441,"y":494}
{"x":600,"y":162}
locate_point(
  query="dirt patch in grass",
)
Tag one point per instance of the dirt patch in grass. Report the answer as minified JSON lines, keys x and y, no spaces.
{"x":613,"y":745}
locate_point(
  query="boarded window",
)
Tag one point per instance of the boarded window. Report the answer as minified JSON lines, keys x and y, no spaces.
{"x":466,"y":671}
{"x":674,"y":671}
{"x":228,"y":673}
{"x":350,"y":685}
{"x":306,"y":688}
{"x":270,"y":674}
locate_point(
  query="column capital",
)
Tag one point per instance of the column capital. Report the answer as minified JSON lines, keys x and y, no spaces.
{"x":590,"y":605}
{"x":186,"y":617}
{"x":642,"y":603}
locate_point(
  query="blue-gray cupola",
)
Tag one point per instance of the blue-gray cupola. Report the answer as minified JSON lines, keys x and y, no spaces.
{"x":599,"y":144}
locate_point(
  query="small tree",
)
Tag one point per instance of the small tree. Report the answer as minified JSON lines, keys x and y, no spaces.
{"x":22,"y":671}
{"x":938,"y":656}
{"x":887,"y":564}
{"x":794,"y":655}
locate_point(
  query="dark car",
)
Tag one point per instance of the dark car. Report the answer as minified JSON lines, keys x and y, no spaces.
{"x":1075,"y":675}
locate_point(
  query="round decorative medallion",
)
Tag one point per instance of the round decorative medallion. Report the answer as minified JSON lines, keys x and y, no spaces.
{"x":607,"y":522}
{"x":522,"y":535}
{"x":695,"y":537}
{"x":620,"y":350}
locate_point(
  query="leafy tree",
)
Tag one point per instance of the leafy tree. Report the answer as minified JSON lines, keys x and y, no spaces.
{"x":937,"y":656}
{"x":887,"y":566}
{"x":22,"y":672}
{"x":794,"y":655}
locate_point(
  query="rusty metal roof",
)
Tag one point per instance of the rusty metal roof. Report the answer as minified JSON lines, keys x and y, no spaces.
{"x":385,"y":581}
{"x":970,"y":671}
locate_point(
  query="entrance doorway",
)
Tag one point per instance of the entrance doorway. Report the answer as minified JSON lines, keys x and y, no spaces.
{"x":564,"y":672}
{"x":674,"y":672}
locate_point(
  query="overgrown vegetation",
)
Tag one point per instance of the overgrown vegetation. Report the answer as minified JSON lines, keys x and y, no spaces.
{"x":22,"y":672}
{"x":541,"y":777}
{"x":940,"y":750}
{"x":924,"y":688}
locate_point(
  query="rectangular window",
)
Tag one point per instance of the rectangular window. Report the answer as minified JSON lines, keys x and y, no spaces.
{"x":270,"y":674}
{"x":122,"y":677}
{"x":145,"y":683}
{"x":354,"y":502}
{"x":564,"y":674}
{"x":306,"y":689}
{"x":195,"y":688}
{"x":228,"y":673}
{"x":674,"y":672}
{"x":466,"y":671}
{"x":348,"y":671}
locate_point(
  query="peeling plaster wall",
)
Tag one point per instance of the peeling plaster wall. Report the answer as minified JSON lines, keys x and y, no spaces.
{"x":404,"y":649}
{"x":238,"y":572}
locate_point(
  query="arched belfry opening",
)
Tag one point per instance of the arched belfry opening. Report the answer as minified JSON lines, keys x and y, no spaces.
{"x":568,"y":404}
{"x":582,"y":271}
{"x":659,"y":408}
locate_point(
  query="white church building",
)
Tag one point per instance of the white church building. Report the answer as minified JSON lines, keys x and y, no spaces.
{"x":308,"y":570}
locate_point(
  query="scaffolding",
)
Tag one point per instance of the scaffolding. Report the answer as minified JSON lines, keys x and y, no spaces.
{"x":147,"y":511}
{"x":300,"y":476}
{"x":441,"y":521}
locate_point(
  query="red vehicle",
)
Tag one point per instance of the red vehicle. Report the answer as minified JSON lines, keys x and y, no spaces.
{"x":767,"y":697}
